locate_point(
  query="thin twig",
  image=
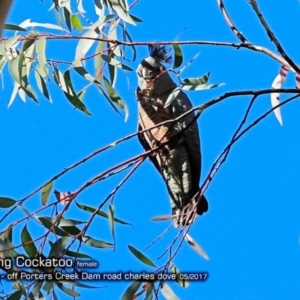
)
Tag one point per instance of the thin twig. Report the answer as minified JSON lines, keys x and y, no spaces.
{"x":273,"y":38}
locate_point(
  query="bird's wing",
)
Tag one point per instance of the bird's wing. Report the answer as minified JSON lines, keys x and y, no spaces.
{"x":181,"y":105}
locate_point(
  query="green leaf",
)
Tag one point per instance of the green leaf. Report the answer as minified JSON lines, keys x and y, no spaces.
{"x":172,"y":96}
{"x":41,"y":84}
{"x":77,"y":254}
{"x":186,"y":65}
{"x":31,"y":39}
{"x":136,"y":19}
{"x":121,"y":12}
{"x":37,"y":287}
{"x":200,"y":87}
{"x":76,"y":22}
{"x":149,"y":294}
{"x":111,"y":213}
{"x":115,"y":97}
{"x":84,"y":45}
{"x":113,"y":35}
{"x":73,"y":97}
{"x":98,"y":58}
{"x":76,"y":283}
{"x":141,"y":256}
{"x":16,"y":295}
{"x":68,"y":291}
{"x":177,"y":56}
{"x":58,"y":248}
{"x":79,"y":68}
{"x":167,"y":292}
{"x":13,"y":69}
{"x":99,"y":213}
{"x":64,"y":82}
{"x":72,"y":230}
{"x":23,"y":209}
{"x":46,"y":192}
{"x":6,"y":202}
{"x":41,"y":56}
{"x":115,"y":62}
{"x":200,"y":80}
{"x":96,"y":243}
{"x":28,"y":244}
{"x":132,"y":46}
{"x":131,"y":290}
{"x":182,"y":282}
{"x":13,"y":27}
{"x":67,"y":16}
{"x":48,"y":223}
{"x":48,"y":286}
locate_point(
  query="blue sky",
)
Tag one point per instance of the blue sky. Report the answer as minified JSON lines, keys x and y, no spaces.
{"x":251,"y":232}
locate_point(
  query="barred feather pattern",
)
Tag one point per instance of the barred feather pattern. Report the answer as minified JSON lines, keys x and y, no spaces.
{"x":180,"y":173}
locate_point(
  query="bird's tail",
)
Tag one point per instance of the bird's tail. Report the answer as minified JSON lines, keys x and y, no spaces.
{"x":186,"y":215}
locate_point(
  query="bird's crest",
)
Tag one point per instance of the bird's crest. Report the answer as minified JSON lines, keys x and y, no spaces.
{"x":160,"y":53}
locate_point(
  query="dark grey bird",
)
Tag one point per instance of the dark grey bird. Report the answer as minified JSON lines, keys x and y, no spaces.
{"x":178,"y":160}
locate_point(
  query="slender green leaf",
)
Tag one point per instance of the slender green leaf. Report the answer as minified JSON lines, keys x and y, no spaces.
{"x":141,"y":256}
{"x":58,"y":248}
{"x":27,"y":243}
{"x":79,"y":68}
{"x":136,"y":19}
{"x":115,"y":63}
{"x":132,"y":46}
{"x":16,"y":295}
{"x":37,"y":287}
{"x":84,"y":45}
{"x":72,"y":230}
{"x":41,"y":56}
{"x":64,"y":82}
{"x":113,"y":35}
{"x":67,"y":16}
{"x":131,"y":290}
{"x":115,"y":97}
{"x":31,"y":38}
{"x":23,"y":209}
{"x":111,"y":214}
{"x":121,"y":12}
{"x":98,"y":58}
{"x":76,"y":22}
{"x":77,"y":254}
{"x":200,"y":80}
{"x":13,"y":27}
{"x":182,"y":282}
{"x":47,"y":222}
{"x":186,"y":65}
{"x":46,"y":192}
{"x":96,"y":243}
{"x":68,"y":291}
{"x":13,"y":69}
{"x":172,"y":96}
{"x":6,"y":202}
{"x":42,"y":85}
{"x":99,"y":213}
{"x":76,"y":283}
{"x":149,"y":294}
{"x":200,"y":87}
{"x":48,"y":286}
{"x":168,"y":292}
{"x":177,"y":56}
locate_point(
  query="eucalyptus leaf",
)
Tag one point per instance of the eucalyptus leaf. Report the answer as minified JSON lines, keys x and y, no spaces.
{"x":6,"y":202}
{"x":46,"y":192}
{"x":141,"y":256}
{"x":28,"y":244}
{"x":131,"y":290}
